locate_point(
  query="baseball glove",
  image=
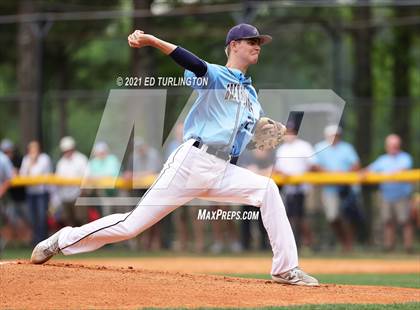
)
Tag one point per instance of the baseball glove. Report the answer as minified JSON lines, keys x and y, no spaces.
{"x":268,"y":134}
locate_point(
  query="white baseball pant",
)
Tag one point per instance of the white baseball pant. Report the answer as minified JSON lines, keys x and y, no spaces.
{"x":192,"y":173}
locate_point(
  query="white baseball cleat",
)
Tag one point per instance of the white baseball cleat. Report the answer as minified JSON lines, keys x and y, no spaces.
{"x":46,"y":249}
{"x":295,"y":277}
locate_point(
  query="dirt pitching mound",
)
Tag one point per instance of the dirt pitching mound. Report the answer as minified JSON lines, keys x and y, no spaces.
{"x":77,"y":286}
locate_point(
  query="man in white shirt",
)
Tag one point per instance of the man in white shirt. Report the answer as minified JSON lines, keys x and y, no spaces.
{"x":293,"y":158}
{"x":72,"y":164}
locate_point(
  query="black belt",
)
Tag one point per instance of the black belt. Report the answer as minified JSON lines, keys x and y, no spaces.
{"x":216,"y":152}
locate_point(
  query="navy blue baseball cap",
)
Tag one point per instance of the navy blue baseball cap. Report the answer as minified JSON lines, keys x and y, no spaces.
{"x":246,"y":31}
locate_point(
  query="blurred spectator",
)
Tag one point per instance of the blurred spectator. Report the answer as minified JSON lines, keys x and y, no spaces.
{"x":6,"y":171}
{"x":17,"y":214}
{"x":260,"y":162}
{"x":225,"y":230}
{"x":395,"y":206}
{"x":415,"y":210}
{"x":293,"y":158}
{"x":72,"y":164}
{"x":103,"y":164}
{"x":147,"y":160}
{"x":34,"y":164}
{"x":339,"y":202}
{"x":185,"y":217}
{"x":176,"y":141}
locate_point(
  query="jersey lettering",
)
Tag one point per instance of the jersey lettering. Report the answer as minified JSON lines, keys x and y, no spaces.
{"x":238,"y":93}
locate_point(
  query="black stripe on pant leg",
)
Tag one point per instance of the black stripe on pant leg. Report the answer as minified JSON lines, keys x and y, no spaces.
{"x":121,"y":221}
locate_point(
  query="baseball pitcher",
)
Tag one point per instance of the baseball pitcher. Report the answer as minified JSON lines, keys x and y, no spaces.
{"x":225,"y":119}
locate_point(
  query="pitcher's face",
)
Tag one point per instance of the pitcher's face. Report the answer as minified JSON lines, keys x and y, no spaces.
{"x":248,"y":50}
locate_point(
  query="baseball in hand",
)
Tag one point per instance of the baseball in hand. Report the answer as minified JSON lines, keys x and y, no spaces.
{"x":139,"y":39}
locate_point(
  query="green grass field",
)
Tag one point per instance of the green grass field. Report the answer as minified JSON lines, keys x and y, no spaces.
{"x":400,"y":280}
{"x":121,"y":251}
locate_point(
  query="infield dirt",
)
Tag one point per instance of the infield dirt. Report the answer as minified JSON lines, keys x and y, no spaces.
{"x":64,"y":285}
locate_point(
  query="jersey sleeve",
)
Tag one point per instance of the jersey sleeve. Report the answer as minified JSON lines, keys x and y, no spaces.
{"x":208,"y":79}
{"x":189,"y":61}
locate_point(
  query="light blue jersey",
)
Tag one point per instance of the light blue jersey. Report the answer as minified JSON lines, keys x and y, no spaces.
{"x":225,"y":111}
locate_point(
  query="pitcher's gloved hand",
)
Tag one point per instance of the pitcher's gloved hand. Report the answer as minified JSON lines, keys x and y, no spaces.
{"x":268,"y":134}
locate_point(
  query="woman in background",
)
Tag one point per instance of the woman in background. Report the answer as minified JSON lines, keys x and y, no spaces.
{"x":35,"y":163}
